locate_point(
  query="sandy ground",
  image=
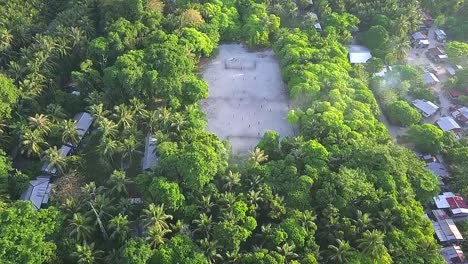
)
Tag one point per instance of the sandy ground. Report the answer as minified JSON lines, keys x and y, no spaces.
{"x":245,"y":103}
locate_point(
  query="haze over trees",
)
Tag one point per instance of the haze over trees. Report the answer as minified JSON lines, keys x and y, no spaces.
{"x":338,"y":192}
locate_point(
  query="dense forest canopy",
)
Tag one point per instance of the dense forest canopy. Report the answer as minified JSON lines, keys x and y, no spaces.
{"x":339,"y":192}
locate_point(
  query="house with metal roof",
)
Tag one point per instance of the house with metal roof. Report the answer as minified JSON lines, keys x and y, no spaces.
{"x":454,"y":204}
{"x":149,"y":156}
{"x":447,"y":123}
{"x":453,"y":255}
{"x":440,"y":35}
{"x":38,"y":192}
{"x":358,"y":54}
{"x":438,"y":169}
{"x":461,"y":115}
{"x":426,"y":108}
{"x":83,"y":123}
{"x":430,"y":78}
{"x":445,"y":229}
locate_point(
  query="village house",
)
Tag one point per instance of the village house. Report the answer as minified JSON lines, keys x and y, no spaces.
{"x":447,"y":123}
{"x":430,"y":78}
{"x":149,"y":156}
{"x":453,"y":255}
{"x":437,"y":54}
{"x":358,"y":54}
{"x":446,"y":230}
{"x":419,"y":40}
{"x":426,"y":108}
{"x":440,"y":35}
{"x":38,"y":192}
{"x":461,"y":115}
{"x":452,"y":204}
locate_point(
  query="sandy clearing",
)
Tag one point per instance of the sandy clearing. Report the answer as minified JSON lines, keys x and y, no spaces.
{"x":245,"y":102}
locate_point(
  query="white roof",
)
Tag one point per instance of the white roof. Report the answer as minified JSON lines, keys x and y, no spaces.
{"x":441,"y":200}
{"x":430,"y":78}
{"x":318,"y":26}
{"x":38,"y":192}
{"x":438,"y":169}
{"x":445,"y":228}
{"x":447,"y":123}
{"x":358,"y":54}
{"x":424,"y":41}
{"x":149,"y":156}
{"x":428,"y":108}
{"x":440,"y":32}
{"x":83,"y":123}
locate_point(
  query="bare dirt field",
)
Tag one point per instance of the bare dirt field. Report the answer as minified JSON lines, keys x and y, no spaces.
{"x":247,"y":97}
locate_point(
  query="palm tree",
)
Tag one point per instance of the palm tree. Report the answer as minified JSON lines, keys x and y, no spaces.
{"x":210,"y":249}
{"x":152,"y":120}
{"x":138,"y":108}
{"x":154,"y":215}
{"x":55,"y":112}
{"x":71,"y":206}
{"x":107,"y":127}
{"x":204,"y":224}
{"x":55,"y":158}
{"x":206,"y":204}
{"x":69,"y":133}
{"x":80,"y":227}
{"x":124,"y":116}
{"x":307,"y":219}
{"x":372,"y":243}
{"x":339,"y":253}
{"x":32,"y":142}
{"x":119,"y":227}
{"x":156,"y":235}
{"x":254,"y":198}
{"x":118,"y":182}
{"x":129,"y":148}
{"x":287,"y":250}
{"x":231,"y":180}
{"x":98,"y":112}
{"x":258,"y":156}
{"x":40,"y":122}
{"x":362,"y":222}
{"x":108,"y":148}
{"x":385,"y":220}
{"x":86,"y":254}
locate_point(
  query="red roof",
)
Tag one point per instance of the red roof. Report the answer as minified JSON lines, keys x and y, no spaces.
{"x":457,"y":202}
{"x":454,"y":93}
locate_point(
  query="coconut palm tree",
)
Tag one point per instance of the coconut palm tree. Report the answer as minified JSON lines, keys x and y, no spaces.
{"x":372,"y":243}
{"x":231,"y":180}
{"x":32,"y":142}
{"x":118,"y":182}
{"x":40,"y":122}
{"x":258,"y":156}
{"x":154,"y":215}
{"x":80,"y":227}
{"x":156,"y":235}
{"x":87,"y":254}
{"x":124,"y":116}
{"x":385,"y":220}
{"x":307,"y":219}
{"x":254,"y":198}
{"x":210,"y":249}
{"x":203,"y":225}
{"x":55,"y":158}
{"x":108,"y":148}
{"x":69,"y":133}
{"x":362,"y":222}
{"x":71,"y":206}
{"x":119,"y":227}
{"x":138,"y":108}
{"x":205,"y":204}
{"x":287,"y":250}
{"x":339,"y":253}
{"x":98,"y":112}
{"x":151,"y":120}
{"x":129,"y":148}
{"x":108,"y":128}
{"x":55,"y":112}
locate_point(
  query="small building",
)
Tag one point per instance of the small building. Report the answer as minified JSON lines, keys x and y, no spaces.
{"x":445,"y":229}
{"x":417,"y":36}
{"x":454,"y":204}
{"x":447,"y":123}
{"x":38,"y":192}
{"x":430,"y":78}
{"x":454,"y":94}
{"x":437,"y":54}
{"x":358,"y":54}
{"x":427,"y":108}
{"x":438,"y":169}
{"x":440,"y":35}
{"x":83,"y":123}
{"x":461,"y":115}
{"x":150,"y":157}
{"x":453,"y":255}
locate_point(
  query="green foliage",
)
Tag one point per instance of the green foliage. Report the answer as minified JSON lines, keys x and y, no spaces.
{"x":136,"y":251}
{"x":458,"y":52}
{"x":426,"y":137}
{"x":167,"y":193}
{"x":8,"y":94}
{"x":402,"y":114}
{"x":180,"y":249}
{"x":25,"y":233}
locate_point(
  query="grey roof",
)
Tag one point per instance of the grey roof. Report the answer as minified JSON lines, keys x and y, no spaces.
{"x":149,"y":157}
{"x":445,"y":228}
{"x":419,"y":35}
{"x":453,"y":254}
{"x":38,"y":191}
{"x":430,"y":78}
{"x":440,"y":32}
{"x":447,"y":123}
{"x":427,"y":108}
{"x":83,"y":123}
{"x":358,"y":54}
{"x":438,"y":169}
